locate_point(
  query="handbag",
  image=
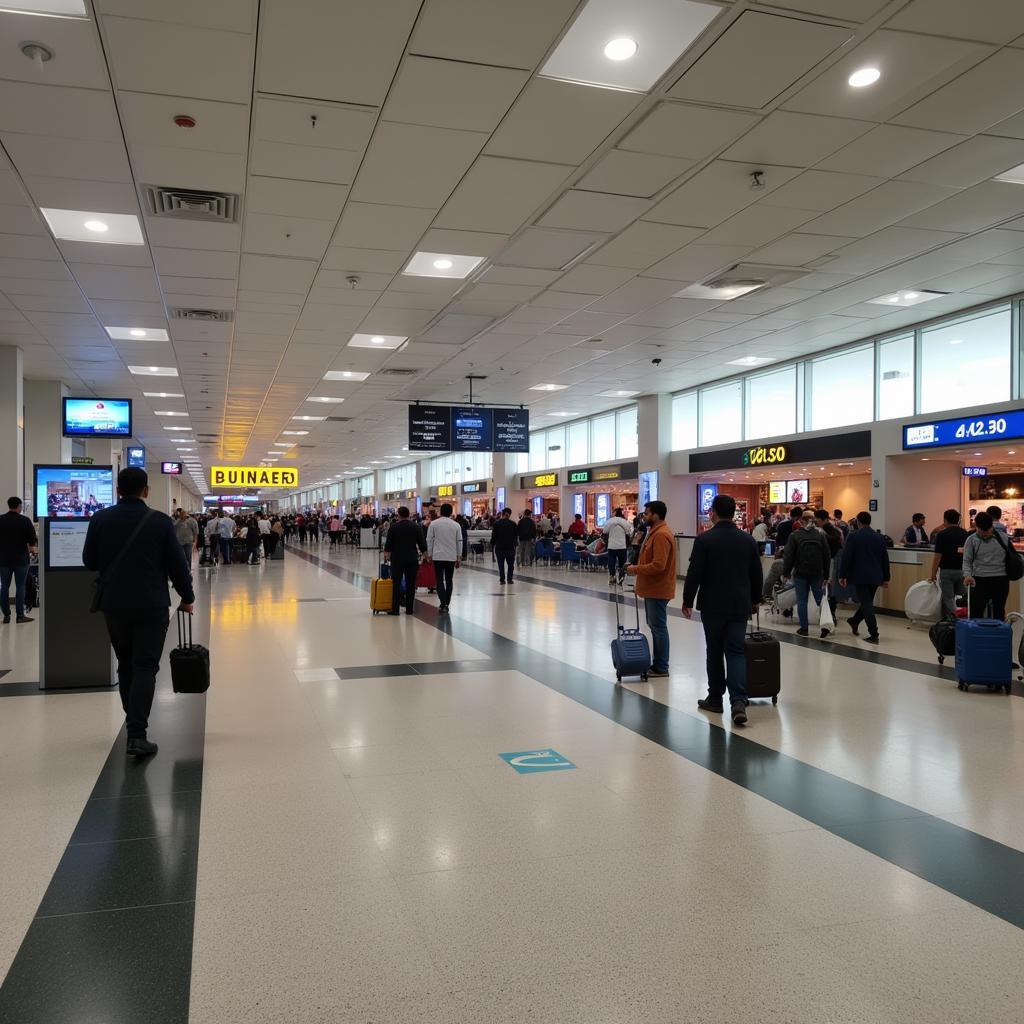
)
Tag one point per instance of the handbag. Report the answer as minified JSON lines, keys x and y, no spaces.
{"x":99,"y":585}
{"x":1014,"y":565}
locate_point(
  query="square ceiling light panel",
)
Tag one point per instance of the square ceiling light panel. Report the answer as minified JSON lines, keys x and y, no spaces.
{"x":87,"y":226}
{"x":137,"y":333}
{"x":326,"y":399}
{"x":1014,"y":174}
{"x":628,"y":46}
{"x":161,"y":394}
{"x":377,"y":341}
{"x":153,"y":371}
{"x":612,"y":394}
{"x":313,"y":419}
{"x":750,"y":361}
{"x":909,"y":297}
{"x":442,"y":264}
{"x":549,"y":387}
{"x":49,"y":8}
{"x":352,"y":376}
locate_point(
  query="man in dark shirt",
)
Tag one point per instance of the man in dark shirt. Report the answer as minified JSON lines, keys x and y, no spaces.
{"x":948,"y":563}
{"x":504,"y":538}
{"x":135,"y":597}
{"x":787,"y":526}
{"x":403,"y":547}
{"x":17,"y":539}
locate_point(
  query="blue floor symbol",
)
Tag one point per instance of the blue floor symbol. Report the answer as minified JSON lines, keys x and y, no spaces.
{"x":528,"y":762}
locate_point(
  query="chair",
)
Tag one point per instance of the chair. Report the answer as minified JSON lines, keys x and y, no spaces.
{"x":570,"y":555}
{"x":597,"y":561}
{"x":539,"y":551}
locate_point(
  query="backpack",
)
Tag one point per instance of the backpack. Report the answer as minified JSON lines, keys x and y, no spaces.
{"x":810,"y":560}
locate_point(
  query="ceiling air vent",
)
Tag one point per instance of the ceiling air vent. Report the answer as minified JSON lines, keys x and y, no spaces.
{"x":192,"y":204}
{"x":742,"y":279}
{"x":338,"y":419}
{"x":396,"y":371}
{"x":208,"y":316}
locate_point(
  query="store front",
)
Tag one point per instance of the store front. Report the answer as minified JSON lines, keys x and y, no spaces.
{"x":769,"y":479}
{"x":393,"y":500}
{"x":596,"y":491}
{"x":477,"y":498}
{"x":542,"y":494}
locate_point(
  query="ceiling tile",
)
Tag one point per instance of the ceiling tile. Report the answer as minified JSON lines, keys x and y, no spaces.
{"x":462,"y":243}
{"x":797,"y":249}
{"x":303,"y":163}
{"x":974,"y":101}
{"x":192,"y":168}
{"x":686,"y":131}
{"x":593,"y":211}
{"x":560,"y":122}
{"x":95,"y":160}
{"x":313,"y":199}
{"x":149,"y":120}
{"x":58,"y":111}
{"x":523,"y":186}
{"x":973,"y":209}
{"x":452,"y":94}
{"x":325,"y":50}
{"x":190,"y":262}
{"x":634,"y":296}
{"x":642,"y":244}
{"x":846,"y":10}
{"x":588,"y":279}
{"x":286,"y":236}
{"x":80,"y":62}
{"x":377,"y":226}
{"x":889,"y":150}
{"x":820,"y":190}
{"x":886,"y":247}
{"x":795,"y":139}
{"x":547,"y":249}
{"x":879,"y":208}
{"x":758,"y":57}
{"x":756,"y":225}
{"x":117,"y":282}
{"x":971,"y":162}
{"x":633,"y":174}
{"x":696,"y":262}
{"x":997,"y":21}
{"x":230,"y":15}
{"x":378,"y":261}
{"x":72,"y":194}
{"x":414,"y":165}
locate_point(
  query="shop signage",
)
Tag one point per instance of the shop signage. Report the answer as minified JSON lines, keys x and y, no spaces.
{"x":706,"y":494}
{"x":475,"y":487}
{"x":538,"y":505}
{"x":499,"y":499}
{"x":539,"y":480}
{"x":853,"y":445}
{"x":253,"y":476}
{"x":595,"y":474}
{"x":446,"y":491}
{"x":579,"y":476}
{"x":975,"y":471}
{"x":81,"y":460}
{"x":602,"y":509}
{"x":579,"y":504}
{"x":1005,"y":426}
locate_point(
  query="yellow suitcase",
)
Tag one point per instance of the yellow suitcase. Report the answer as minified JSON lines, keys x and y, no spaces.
{"x":381,"y":595}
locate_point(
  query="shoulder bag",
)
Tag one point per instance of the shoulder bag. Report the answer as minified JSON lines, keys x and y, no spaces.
{"x":100,"y":583}
{"x":1014,"y":565}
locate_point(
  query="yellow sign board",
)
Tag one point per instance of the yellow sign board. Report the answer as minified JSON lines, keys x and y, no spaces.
{"x":446,"y":491}
{"x":545,"y":480}
{"x":253,"y":476}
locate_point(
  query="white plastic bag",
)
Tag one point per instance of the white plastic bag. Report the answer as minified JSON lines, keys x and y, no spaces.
{"x":923,"y":602}
{"x":825,"y":618}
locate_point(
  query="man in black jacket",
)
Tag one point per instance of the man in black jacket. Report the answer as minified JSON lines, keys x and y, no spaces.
{"x":504,"y":538}
{"x":787,"y":526}
{"x":724,"y":583}
{"x":134,"y":568}
{"x":808,"y":560}
{"x":527,"y":538}
{"x":17,"y":540}
{"x":403,"y":547}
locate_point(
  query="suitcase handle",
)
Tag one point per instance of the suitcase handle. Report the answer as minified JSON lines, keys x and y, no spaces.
{"x":187,"y":616}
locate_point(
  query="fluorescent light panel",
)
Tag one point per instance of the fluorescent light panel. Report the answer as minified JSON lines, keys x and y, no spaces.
{"x":549,"y":387}
{"x":153,"y":371}
{"x":161,"y":394}
{"x":628,"y":46}
{"x":48,"y":8}
{"x":723,"y":293}
{"x":750,"y":361}
{"x":381,"y":341}
{"x":137,"y":333}
{"x":906,"y":298}
{"x":88,"y":226}
{"x":616,"y":394}
{"x":351,"y":376}
{"x":1014,"y":175}
{"x":326,"y":399}
{"x":442,"y":264}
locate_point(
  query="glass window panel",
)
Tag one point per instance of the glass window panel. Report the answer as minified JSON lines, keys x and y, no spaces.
{"x":556,"y":447}
{"x":720,"y":413}
{"x":538,"y":454}
{"x":684,"y":422}
{"x":843,"y":389}
{"x":578,"y":445}
{"x":771,"y":404}
{"x":625,"y":431}
{"x":522,"y":462}
{"x":896,"y":377}
{"x":966,"y":363}
{"x":602,"y":438}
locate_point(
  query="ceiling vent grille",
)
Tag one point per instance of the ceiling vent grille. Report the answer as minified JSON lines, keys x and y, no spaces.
{"x":208,"y":316}
{"x":192,"y":204}
{"x":396,"y":371}
{"x":339,"y":419}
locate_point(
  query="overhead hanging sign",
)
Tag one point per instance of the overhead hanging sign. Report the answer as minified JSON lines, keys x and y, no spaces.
{"x":470,"y":428}
{"x":1004,"y":426}
{"x":253,"y":476}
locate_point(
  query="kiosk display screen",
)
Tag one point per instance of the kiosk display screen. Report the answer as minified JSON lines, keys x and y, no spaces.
{"x":63,"y":542}
{"x":65,"y":492}
{"x":170,"y":468}
{"x":797,"y":491}
{"x":97,"y":417}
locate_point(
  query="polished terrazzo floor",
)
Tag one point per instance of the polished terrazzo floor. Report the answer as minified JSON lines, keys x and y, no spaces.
{"x":337,"y":838}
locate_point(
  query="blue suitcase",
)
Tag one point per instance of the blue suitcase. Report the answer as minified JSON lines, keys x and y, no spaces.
{"x":631,"y":653}
{"x":984,"y":653}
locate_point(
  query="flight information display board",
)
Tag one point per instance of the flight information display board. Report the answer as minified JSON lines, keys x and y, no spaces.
{"x":1003,"y":426}
{"x":440,"y":428}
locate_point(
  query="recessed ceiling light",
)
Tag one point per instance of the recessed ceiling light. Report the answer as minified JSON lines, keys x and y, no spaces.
{"x":349,"y":375}
{"x":620,"y":49}
{"x":136,"y":333}
{"x":908,"y":297}
{"x":161,"y":394}
{"x":185,"y":449}
{"x":442,"y":264}
{"x":750,"y":361}
{"x":617,"y":394}
{"x":284,"y":444}
{"x":188,"y":429}
{"x":153,"y":371}
{"x":72,"y":226}
{"x":864,"y":76}
{"x":607,"y":33}
{"x":563,"y":414}
{"x":391,"y":341}
{"x":167,"y":412}
{"x":47,"y":8}
{"x":310,"y":419}
{"x":549,"y":387}
{"x":294,"y":433}
{"x":324,"y":398}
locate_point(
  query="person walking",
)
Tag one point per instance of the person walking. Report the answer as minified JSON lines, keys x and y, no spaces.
{"x":444,"y":549}
{"x":865,"y":565}
{"x":504,"y":538}
{"x":135,"y":551}
{"x":263,"y":524}
{"x":186,"y":529}
{"x":527,"y":538}
{"x":948,"y":563}
{"x":18,"y":540}
{"x":618,"y":531}
{"x":808,"y":561}
{"x":655,"y":572}
{"x":724,"y":583}
{"x":225,"y":534}
{"x":251,"y":530}
{"x":403,"y":548}
{"x":985,"y":569}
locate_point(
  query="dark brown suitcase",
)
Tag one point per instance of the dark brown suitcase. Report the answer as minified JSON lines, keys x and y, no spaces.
{"x":764,"y":665}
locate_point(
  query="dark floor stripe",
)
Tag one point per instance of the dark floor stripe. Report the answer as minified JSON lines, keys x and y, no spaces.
{"x":112,"y":939}
{"x":33,"y":689}
{"x":416,"y":668}
{"x":979,"y":870}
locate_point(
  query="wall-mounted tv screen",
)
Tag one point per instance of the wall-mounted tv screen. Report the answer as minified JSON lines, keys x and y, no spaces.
{"x":170,"y":468}
{"x":97,"y":417}
{"x":63,"y":492}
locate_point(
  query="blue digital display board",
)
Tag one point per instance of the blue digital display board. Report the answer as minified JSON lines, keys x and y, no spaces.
{"x":438,"y":428}
{"x":975,"y":471}
{"x":472,"y":429}
{"x":706,"y":494}
{"x":97,"y":417}
{"x":136,"y":456}
{"x":602,"y":509}
{"x":1003,"y":426}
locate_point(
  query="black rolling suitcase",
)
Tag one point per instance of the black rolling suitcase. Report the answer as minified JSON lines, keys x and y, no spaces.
{"x":943,"y":637}
{"x":764,"y":664}
{"x":631,"y":653}
{"x":190,"y":663}
{"x":32,"y":588}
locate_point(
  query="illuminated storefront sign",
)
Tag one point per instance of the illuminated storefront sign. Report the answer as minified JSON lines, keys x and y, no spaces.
{"x":253,"y":476}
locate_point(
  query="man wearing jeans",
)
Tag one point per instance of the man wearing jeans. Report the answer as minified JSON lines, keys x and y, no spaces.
{"x":618,"y":531}
{"x":724,"y":583}
{"x":17,"y":540}
{"x":808,"y":560}
{"x":948,"y":563}
{"x":655,"y":573}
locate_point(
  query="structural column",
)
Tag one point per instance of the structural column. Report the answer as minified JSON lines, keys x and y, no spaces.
{"x":44,"y":430}
{"x":12,"y":424}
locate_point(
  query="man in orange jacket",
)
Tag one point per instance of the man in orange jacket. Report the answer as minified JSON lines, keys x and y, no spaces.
{"x":655,"y":573}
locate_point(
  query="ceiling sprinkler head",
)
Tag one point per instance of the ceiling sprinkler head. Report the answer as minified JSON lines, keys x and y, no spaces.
{"x":352,"y":279}
{"x":184,"y":120}
{"x":37,"y":52}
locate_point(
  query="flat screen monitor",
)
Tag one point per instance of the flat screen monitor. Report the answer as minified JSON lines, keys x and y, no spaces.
{"x":170,"y":468}
{"x":602,"y":509}
{"x":777,"y":492}
{"x":797,"y":491}
{"x":68,"y":492}
{"x":135,"y":456}
{"x":63,"y":540}
{"x":98,"y":417}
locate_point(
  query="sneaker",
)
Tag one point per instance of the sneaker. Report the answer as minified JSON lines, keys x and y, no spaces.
{"x":657,"y":673}
{"x":871,"y":639}
{"x":739,"y":714}
{"x":802,"y":632}
{"x":501,"y":583}
{"x":707,"y":704}
{"x":510,"y":582}
{"x":7,"y":619}
{"x":141,"y":748}
{"x":825,"y":633}
{"x":24,"y":618}
{"x":854,"y":627}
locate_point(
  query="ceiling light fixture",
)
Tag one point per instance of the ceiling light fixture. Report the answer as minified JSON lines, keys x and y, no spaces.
{"x":907,"y":297}
{"x":863,"y":77}
{"x":294,"y":433}
{"x":324,"y":398}
{"x":549,"y":387}
{"x":84,"y":226}
{"x":441,"y":264}
{"x":96,"y":225}
{"x":349,"y":375}
{"x":46,"y":8}
{"x":617,"y":394}
{"x":161,"y":394}
{"x":153,"y":371}
{"x":310,"y":419}
{"x":750,"y":361}
{"x":620,"y":49}
{"x":1015,"y":175}
{"x":136,"y":333}
{"x":168,"y":413}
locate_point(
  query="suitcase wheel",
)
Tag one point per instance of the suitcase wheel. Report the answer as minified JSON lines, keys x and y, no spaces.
{"x":643,"y":677}
{"x":942,"y":658}
{"x":961,"y":685}
{"x":775,"y":700}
